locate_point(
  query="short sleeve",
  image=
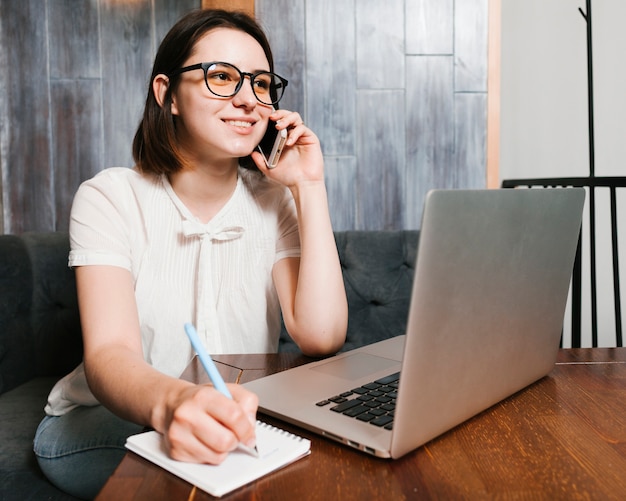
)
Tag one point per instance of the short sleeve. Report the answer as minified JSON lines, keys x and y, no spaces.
{"x":99,"y":220}
{"x":288,"y":243}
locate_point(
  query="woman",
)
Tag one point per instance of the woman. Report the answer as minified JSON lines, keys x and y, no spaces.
{"x":190,"y":235}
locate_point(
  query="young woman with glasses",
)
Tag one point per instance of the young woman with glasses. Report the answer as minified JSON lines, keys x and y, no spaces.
{"x":200,"y":231}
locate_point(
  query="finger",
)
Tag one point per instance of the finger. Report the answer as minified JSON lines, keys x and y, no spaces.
{"x":259,"y":161}
{"x":287,"y":119}
{"x":184,"y":445}
{"x":247,"y":400}
{"x":230,"y":414}
{"x":243,"y":419}
{"x":209,"y":425}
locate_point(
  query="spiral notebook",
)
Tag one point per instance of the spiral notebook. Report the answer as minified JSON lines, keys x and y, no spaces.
{"x":277,"y":448}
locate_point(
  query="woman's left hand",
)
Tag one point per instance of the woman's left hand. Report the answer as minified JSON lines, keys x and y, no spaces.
{"x":301,"y":159}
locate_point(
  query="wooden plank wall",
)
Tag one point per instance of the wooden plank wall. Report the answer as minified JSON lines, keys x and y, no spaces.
{"x":72,"y":88}
{"x":396,"y":91}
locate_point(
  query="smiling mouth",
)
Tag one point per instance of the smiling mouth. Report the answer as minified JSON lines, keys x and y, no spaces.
{"x":238,"y":123}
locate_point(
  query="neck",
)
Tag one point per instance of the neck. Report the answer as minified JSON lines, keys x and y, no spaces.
{"x":204,"y":192}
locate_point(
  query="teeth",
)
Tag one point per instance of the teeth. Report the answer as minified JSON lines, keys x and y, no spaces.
{"x":239,"y":123}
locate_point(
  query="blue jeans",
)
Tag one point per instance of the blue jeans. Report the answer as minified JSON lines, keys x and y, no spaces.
{"x":80,"y":450}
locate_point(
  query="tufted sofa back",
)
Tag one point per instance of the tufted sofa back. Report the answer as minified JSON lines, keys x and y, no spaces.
{"x":377,"y":271}
{"x":39,"y":322}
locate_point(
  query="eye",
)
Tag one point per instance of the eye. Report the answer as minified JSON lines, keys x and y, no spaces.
{"x":220,"y":75}
{"x":263,"y":82}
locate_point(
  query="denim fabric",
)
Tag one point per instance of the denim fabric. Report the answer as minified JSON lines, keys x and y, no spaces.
{"x":80,"y":450}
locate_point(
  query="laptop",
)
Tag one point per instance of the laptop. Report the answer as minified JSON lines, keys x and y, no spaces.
{"x":489,"y":295}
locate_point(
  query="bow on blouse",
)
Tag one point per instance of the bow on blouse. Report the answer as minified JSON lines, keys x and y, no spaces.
{"x":194,"y":228}
{"x":206,"y":320}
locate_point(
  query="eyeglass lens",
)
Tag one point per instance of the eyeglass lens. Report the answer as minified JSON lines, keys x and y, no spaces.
{"x":225,"y":80}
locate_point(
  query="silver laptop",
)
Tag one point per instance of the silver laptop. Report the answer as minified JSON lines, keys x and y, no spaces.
{"x":489,"y":295}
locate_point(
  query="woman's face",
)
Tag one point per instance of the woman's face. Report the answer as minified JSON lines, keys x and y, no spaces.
{"x":212,"y":128}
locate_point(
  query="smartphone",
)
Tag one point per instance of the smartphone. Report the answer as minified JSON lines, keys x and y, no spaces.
{"x":272,"y":144}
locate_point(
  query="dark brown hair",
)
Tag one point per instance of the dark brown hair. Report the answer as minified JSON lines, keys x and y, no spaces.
{"x":155,"y":146}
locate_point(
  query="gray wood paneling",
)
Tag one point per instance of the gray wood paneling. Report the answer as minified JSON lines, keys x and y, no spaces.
{"x":331,"y":74}
{"x":75,"y":99}
{"x":341,"y":176}
{"x":126,"y":31}
{"x":283,"y":21}
{"x":380,"y":171}
{"x":380,"y":44}
{"x":470,"y":137}
{"x":430,"y":130}
{"x":74,"y":42}
{"x":166,"y":13}
{"x":77,"y":142}
{"x":72,"y":96}
{"x":395,"y":90}
{"x":25,"y":155}
{"x":427,"y":135}
{"x":430,"y":26}
{"x":470,"y":41}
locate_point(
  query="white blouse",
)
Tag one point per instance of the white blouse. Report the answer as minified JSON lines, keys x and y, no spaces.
{"x":217,"y":276}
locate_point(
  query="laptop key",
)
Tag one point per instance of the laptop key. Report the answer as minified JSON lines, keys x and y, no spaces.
{"x":381,"y":420}
{"x":366,"y":416}
{"x":338,"y":399}
{"x":372,"y":386}
{"x":377,"y":412}
{"x":389,"y":379}
{"x":345,"y":405}
{"x":355,"y":411}
{"x":384,"y":399}
{"x":360,"y":390}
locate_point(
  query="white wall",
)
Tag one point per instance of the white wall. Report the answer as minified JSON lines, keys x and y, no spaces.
{"x":544,"y":125}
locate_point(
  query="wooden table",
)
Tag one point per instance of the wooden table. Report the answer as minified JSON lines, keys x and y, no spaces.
{"x":562,"y":438}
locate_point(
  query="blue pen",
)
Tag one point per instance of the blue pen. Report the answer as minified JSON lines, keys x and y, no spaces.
{"x":214,"y":375}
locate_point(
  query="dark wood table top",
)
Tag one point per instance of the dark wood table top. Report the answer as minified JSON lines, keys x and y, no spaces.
{"x":563,"y":437}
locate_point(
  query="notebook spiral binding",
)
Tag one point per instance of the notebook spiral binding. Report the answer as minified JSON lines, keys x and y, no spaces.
{"x":280,"y":431}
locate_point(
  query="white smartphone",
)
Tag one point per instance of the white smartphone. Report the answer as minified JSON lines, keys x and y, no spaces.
{"x":272,"y":145}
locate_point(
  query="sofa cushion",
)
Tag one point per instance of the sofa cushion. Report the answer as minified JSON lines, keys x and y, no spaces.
{"x":378,"y":268}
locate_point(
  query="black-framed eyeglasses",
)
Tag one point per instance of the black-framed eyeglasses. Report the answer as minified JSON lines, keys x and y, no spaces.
{"x":225,"y":80}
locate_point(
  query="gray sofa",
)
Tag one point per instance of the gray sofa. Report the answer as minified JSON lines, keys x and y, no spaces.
{"x":40,"y":330}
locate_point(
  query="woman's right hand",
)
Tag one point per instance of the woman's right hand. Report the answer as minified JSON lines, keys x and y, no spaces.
{"x":204,"y":425}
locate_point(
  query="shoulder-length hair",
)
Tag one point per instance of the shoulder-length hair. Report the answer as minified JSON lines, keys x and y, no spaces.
{"x":155,"y":146}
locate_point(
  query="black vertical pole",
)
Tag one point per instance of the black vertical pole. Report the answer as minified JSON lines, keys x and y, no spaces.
{"x":592,"y":172}
{"x":592,"y":161}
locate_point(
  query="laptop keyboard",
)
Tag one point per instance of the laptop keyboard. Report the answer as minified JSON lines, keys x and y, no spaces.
{"x":374,"y":402}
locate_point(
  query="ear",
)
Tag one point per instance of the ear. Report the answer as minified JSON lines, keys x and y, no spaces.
{"x":160,"y":84}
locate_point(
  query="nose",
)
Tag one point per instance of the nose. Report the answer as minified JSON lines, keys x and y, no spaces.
{"x":245,"y":97}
